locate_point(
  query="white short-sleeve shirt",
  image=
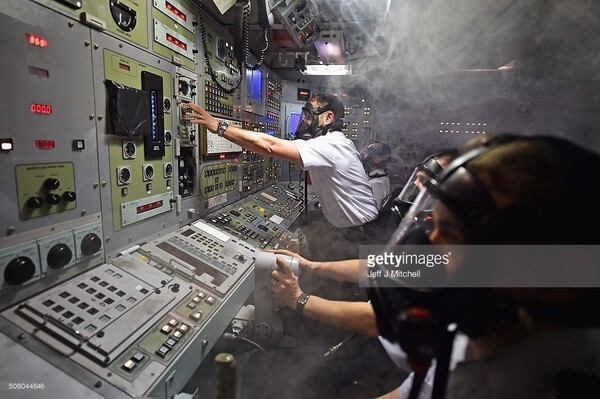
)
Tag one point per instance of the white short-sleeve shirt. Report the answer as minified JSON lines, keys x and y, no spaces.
{"x":380,"y":185}
{"x":338,"y":179}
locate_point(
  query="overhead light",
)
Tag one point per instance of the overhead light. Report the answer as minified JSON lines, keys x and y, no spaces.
{"x":330,"y":46}
{"x":328,"y":70}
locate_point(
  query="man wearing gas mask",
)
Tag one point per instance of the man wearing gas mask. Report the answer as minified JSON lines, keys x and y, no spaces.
{"x":375,"y":158}
{"x":338,"y":178}
{"x":533,"y":327}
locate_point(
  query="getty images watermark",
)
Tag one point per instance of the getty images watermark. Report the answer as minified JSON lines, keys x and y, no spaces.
{"x":480,"y":266}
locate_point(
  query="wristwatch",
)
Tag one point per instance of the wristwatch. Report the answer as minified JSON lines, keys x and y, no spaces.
{"x":221,"y":128}
{"x":300,"y":302}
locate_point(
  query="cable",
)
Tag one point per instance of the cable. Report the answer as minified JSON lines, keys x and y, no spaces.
{"x":246,"y":28}
{"x":211,"y":71}
{"x":236,"y":337}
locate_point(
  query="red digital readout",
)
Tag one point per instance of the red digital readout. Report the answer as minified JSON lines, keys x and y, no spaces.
{"x":176,"y":42}
{"x":148,"y":207}
{"x":175,"y":11}
{"x":43,"y":144}
{"x":41,"y":109}
{"x":37,"y":40}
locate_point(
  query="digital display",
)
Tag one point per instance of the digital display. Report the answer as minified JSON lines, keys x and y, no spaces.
{"x":176,"y":42}
{"x":41,"y":109}
{"x":148,"y":207}
{"x":303,"y":94}
{"x":43,"y":144}
{"x":124,"y":67}
{"x":39,"y":72}
{"x":254,"y":84}
{"x":36,"y":40}
{"x":294,"y":119}
{"x":175,"y":11}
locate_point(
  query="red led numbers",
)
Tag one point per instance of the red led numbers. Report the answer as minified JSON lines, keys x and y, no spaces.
{"x":175,"y":11}
{"x":41,"y":109}
{"x":36,"y":40}
{"x":43,"y":144}
{"x":176,"y":42}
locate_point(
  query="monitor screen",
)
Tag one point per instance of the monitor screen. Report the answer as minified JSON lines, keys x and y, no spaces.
{"x":254,"y":79}
{"x":294,"y":119}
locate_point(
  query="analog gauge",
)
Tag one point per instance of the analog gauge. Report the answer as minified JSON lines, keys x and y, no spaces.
{"x":221,"y":49}
{"x":124,"y":175}
{"x":124,"y":16}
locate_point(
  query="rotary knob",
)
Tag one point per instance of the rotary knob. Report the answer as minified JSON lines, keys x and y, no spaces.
{"x":53,"y":199}
{"x":35,"y":202}
{"x":90,"y":244}
{"x":59,"y":256}
{"x":69,"y":196}
{"x":52,"y":183}
{"x":19,"y":270}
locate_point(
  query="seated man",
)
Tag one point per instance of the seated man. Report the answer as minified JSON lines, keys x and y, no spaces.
{"x":542,"y":341}
{"x":375,"y":158}
{"x":354,"y":316}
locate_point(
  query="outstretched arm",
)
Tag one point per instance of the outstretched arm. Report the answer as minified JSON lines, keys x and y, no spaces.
{"x":354,"y":316}
{"x":343,"y":270}
{"x":260,"y":143}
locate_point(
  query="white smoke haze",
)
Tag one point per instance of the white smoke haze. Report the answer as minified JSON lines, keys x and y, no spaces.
{"x":433,"y":62}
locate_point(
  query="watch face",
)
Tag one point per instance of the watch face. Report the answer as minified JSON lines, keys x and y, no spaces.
{"x":302,"y":299}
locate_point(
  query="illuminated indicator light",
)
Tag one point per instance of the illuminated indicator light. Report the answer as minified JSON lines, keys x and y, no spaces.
{"x":222,"y":156}
{"x":175,"y":11}
{"x":125,"y":67}
{"x":176,"y":42}
{"x":36,"y":40}
{"x":6,"y":144}
{"x":40,"y":109}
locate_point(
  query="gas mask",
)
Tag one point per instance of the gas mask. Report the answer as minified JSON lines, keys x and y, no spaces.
{"x":373,"y":150}
{"x":428,"y":169}
{"x":308,"y":125}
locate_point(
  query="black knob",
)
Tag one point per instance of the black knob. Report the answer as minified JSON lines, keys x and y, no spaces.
{"x":59,"y":256}
{"x":51,"y":183}
{"x":35,"y":202}
{"x":19,"y":270}
{"x":52,"y":199}
{"x":69,"y":196}
{"x":90,"y":244}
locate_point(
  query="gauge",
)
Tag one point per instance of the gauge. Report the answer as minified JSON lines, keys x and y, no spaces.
{"x":124,"y":16}
{"x":221,"y":49}
{"x":184,"y":87}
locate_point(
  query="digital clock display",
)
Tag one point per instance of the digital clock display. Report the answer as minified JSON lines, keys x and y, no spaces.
{"x":176,"y":42}
{"x":43,"y":144}
{"x":36,"y":40}
{"x":148,"y":207}
{"x":43,"y":109}
{"x":175,"y":11}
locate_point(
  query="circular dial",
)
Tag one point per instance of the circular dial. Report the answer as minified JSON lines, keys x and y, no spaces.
{"x":35,"y":202}
{"x":221,"y":49}
{"x":90,"y":244}
{"x":124,"y":16}
{"x":59,"y":256}
{"x":52,"y":184}
{"x":53,"y":199}
{"x":69,"y":196}
{"x":19,"y":270}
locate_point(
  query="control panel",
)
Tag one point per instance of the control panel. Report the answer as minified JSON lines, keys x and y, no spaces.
{"x":260,"y":219}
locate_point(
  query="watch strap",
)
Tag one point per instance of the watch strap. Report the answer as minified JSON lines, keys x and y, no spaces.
{"x":300,"y":302}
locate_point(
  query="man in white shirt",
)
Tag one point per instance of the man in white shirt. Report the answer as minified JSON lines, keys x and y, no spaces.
{"x":338,"y":178}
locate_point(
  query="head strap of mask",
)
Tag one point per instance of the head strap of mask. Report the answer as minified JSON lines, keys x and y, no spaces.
{"x":334,"y":105}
